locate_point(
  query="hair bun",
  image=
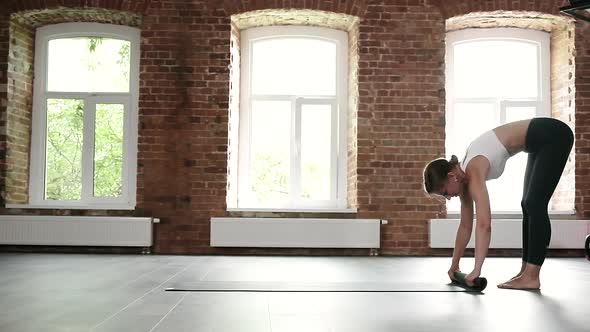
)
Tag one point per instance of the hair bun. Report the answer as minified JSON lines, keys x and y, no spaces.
{"x":454,"y":160}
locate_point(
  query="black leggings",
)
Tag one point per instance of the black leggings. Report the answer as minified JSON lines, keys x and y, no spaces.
{"x":548,"y":143}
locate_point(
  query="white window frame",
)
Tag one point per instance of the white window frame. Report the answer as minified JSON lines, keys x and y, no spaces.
{"x":339,"y":108}
{"x":542,"y":104}
{"x":39,"y":130}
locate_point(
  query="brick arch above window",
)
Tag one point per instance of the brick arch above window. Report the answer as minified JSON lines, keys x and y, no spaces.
{"x":306,"y":17}
{"x":39,"y":18}
{"x":511,"y":19}
{"x":350,"y":7}
{"x":451,"y":8}
{"x":133,"y":6}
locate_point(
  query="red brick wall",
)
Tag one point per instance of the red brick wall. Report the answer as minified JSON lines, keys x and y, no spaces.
{"x":400,"y":119}
{"x":450,"y":8}
{"x":183,"y":130}
{"x":582,"y":101}
{"x":135,"y":6}
{"x":4,"y":47}
{"x":184,"y":102}
{"x":19,"y":111}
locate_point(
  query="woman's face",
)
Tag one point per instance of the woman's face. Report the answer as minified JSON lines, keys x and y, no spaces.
{"x":452,"y":187}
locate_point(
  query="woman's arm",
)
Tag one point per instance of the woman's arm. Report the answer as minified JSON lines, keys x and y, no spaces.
{"x":483,"y":229}
{"x":464,"y":230}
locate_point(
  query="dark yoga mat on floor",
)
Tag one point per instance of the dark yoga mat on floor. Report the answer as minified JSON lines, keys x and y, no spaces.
{"x":315,"y":287}
{"x":479,"y":284}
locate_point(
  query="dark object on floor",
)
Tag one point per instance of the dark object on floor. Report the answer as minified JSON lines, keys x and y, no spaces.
{"x":479,"y":284}
{"x":314,"y":287}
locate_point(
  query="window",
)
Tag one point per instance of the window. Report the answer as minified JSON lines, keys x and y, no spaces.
{"x":495,"y":76}
{"x":292,"y":136}
{"x":84,"y":138}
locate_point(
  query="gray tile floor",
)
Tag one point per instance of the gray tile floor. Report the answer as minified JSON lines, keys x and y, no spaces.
{"x":68,"y":292}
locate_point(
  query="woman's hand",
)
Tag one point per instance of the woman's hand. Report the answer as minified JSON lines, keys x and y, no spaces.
{"x":452,"y":271}
{"x":471,"y":277}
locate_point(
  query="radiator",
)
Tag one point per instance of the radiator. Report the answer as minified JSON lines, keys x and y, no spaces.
{"x":507,"y":233}
{"x":295,"y":232}
{"x":76,"y":231}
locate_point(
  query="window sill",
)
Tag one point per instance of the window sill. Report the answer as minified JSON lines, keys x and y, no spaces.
{"x":69,"y":207}
{"x":309,"y":210}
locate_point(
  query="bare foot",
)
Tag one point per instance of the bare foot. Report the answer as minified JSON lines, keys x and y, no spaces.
{"x":522,"y":268}
{"x":515,"y":277}
{"x":521,"y":282}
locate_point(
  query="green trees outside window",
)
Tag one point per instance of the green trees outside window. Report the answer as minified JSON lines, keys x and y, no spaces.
{"x":99,"y":64}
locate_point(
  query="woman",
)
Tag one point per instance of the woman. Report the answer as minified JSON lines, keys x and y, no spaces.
{"x":548,"y":143}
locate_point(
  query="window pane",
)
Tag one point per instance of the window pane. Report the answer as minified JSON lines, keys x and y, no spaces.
{"x":515,"y":113}
{"x":488,"y":68}
{"x":513,"y":176}
{"x":270,"y":151}
{"x":294,"y":66}
{"x":502,"y":199}
{"x":316,"y":136}
{"x":64,"y":149}
{"x":470,"y":121}
{"x":108,"y":150}
{"x":88,"y":64}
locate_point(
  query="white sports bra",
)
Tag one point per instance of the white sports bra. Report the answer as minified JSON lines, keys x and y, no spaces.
{"x":489,"y":146}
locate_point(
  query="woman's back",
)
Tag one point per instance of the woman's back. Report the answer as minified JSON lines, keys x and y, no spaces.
{"x":513,"y":135}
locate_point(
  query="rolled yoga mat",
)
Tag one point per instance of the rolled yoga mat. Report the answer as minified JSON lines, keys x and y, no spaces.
{"x":308,"y":287}
{"x":479,"y":283}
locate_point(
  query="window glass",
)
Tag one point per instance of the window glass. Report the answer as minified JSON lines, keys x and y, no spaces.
{"x":65,"y":129}
{"x":83,"y":149}
{"x":270,"y":157}
{"x":294,"y":66}
{"x":290,"y":152}
{"x":108,"y":150}
{"x":316,"y":153}
{"x":495,"y":76}
{"x":507,"y":69}
{"x":513,"y":176}
{"x":88,"y":64}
